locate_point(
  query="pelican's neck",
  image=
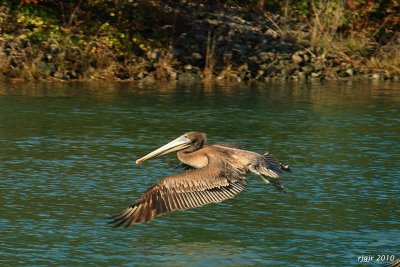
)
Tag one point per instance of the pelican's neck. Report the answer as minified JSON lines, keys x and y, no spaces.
{"x":196,"y":158}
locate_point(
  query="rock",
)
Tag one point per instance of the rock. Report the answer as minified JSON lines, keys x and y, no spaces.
{"x":58,"y":74}
{"x":152,"y":55}
{"x":284,"y":62}
{"x":243,"y":68}
{"x":292,"y":68}
{"x":272,"y":33}
{"x":307,"y":69}
{"x":318,"y":66}
{"x":213,"y":22}
{"x":260,"y":74}
{"x":301,"y":75}
{"x":91,"y":70}
{"x":140,"y":75}
{"x":350,"y":71}
{"x":254,"y":59}
{"x":269,"y":71}
{"x":297,"y":58}
{"x":197,"y":56}
{"x":303,"y":43}
{"x":188,"y":67}
{"x":376,"y":76}
{"x":264,"y":56}
{"x":316,"y":74}
{"x":331,"y":76}
{"x":306,"y":58}
{"x":231,"y":33}
{"x":283,"y":72}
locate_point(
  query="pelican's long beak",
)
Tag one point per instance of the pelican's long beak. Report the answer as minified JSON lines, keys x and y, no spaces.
{"x":179,"y":143}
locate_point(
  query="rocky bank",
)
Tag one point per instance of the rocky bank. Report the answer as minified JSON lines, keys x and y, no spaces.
{"x":204,"y":42}
{"x":253,"y":46}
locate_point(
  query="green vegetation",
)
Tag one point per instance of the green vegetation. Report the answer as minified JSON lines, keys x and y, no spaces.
{"x":136,"y":39}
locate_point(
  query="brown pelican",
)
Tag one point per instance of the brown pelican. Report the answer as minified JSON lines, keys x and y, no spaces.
{"x":215,"y":173}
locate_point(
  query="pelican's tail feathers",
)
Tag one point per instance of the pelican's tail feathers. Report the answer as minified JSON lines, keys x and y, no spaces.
{"x":269,"y":168}
{"x":274,"y":163}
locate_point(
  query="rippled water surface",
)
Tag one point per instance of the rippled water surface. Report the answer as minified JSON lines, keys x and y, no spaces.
{"x":67,"y":155}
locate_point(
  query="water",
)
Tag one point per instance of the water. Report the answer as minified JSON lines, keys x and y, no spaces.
{"x":67,"y":155}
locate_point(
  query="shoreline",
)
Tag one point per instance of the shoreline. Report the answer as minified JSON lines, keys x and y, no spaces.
{"x":197,"y":43}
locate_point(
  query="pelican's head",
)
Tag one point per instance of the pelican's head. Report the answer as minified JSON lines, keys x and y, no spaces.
{"x":192,"y":140}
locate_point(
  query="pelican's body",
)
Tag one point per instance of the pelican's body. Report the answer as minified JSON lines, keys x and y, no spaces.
{"x":216,"y":173}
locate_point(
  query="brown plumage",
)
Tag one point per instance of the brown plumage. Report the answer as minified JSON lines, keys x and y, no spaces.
{"x":216,"y":173}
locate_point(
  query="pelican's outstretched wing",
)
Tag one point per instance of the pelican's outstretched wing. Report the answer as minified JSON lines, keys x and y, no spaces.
{"x":231,"y":145}
{"x":395,"y":263}
{"x":190,"y":189}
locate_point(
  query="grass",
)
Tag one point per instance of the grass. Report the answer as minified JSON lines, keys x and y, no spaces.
{"x":328,"y":17}
{"x":387,"y":59}
{"x":165,"y":66}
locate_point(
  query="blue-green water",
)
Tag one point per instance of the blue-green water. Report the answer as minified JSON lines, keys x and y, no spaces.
{"x":67,"y":155}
